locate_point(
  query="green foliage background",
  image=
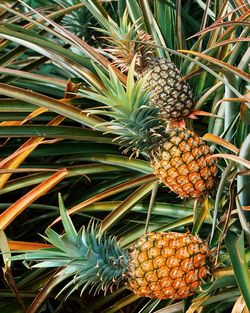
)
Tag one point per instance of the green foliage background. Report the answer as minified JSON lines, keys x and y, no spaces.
{"x":50,"y":144}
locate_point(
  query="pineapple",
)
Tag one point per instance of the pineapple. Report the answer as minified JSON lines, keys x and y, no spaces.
{"x":167,"y":265}
{"x":179,"y":158}
{"x":181,"y":162}
{"x":172,"y":95}
{"x":159,"y":265}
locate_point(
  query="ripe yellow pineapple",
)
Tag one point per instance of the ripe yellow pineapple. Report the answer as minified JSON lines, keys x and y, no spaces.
{"x":159,"y":265}
{"x":167,"y":265}
{"x":181,"y":162}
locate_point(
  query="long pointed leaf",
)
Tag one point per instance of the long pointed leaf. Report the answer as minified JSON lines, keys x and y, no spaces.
{"x":235,"y":248}
{"x":53,"y":105}
{"x":21,"y":204}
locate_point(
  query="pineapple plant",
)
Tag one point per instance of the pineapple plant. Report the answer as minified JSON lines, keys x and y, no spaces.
{"x":159,"y":265}
{"x":171,"y":94}
{"x":80,"y":108}
{"x":179,"y":157}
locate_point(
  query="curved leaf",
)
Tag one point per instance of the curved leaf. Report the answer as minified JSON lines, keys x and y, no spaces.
{"x":235,"y":248}
{"x":53,"y":105}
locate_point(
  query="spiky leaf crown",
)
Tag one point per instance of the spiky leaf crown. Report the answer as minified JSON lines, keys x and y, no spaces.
{"x":136,"y":123}
{"x":87,"y":258}
{"x":125,"y":40}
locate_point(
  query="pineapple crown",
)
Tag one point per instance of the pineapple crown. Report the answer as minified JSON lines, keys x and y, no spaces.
{"x":87,"y":258}
{"x":136,"y":123}
{"x":125,"y":41}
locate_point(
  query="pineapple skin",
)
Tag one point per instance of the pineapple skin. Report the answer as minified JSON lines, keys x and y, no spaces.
{"x":167,"y":265}
{"x":181,"y":163}
{"x":170,"y":94}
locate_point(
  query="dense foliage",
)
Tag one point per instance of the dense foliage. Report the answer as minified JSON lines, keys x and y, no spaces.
{"x":75,"y":119}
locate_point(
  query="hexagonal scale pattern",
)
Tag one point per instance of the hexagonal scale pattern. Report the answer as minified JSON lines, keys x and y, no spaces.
{"x":167,"y":265}
{"x":172,"y":95}
{"x":182,"y":163}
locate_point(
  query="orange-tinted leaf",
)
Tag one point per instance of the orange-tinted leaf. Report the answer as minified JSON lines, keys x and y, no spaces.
{"x":218,"y":22}
{"x":231,"y":157}
{"x":233,"y":100}
{"x":10,"y":123}
{"x":32,"y":76}
{"x":23,"y":245}
{"x":230,"y":41}
{"x":74,"y":40}
{"x":247,"y":97}
{"x":201,"y":113}
{"x":243,"y":17}
{"x":25,"y":170}
{"x":34,"y":114}
{"x":28,"y":145}
{"x":246,"y":207}
{"x":57,"y":106}
{"x":219,"y":25}
{"x":220,"y":141}
{"x":15,"y":159}
{"x":245,"y":113}
{"x":50,"y":284}
{"x":21,"y":204}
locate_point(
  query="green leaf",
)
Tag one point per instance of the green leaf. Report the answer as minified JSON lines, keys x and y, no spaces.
{"x":53,"y":105}
{"x":112,"y":191}
{"x":118,"y":160}
{"x":219,"y":194}
{"x":65,"y":132}
{"x":13,"y":105}
{"x":46,"y":80}
{"x":243,"y":181}
{"x":73,"y":171}
{"x":67,"y":223}
{"x":135,"y":12}
{"x":201,"y":217}
{"x":235,"y":248}
{"x":126,"y":205}
{"x":153,"y":28}
{"x":131,"y":236}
